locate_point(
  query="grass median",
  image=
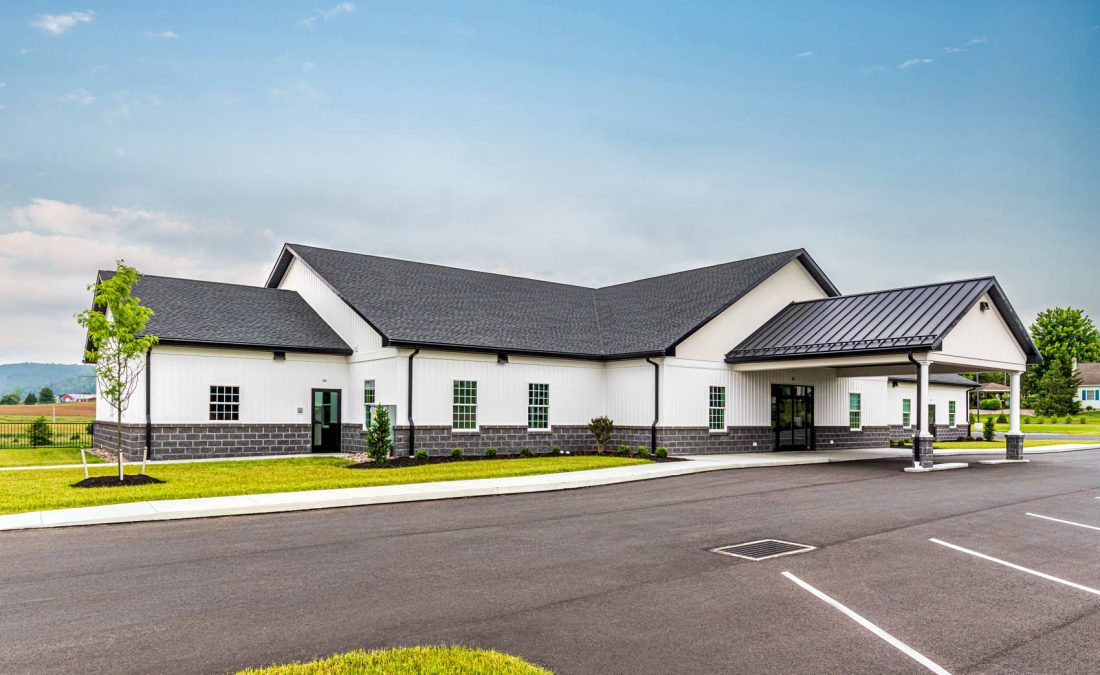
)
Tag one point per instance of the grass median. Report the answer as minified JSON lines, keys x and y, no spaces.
{"x":424,"y":660}
{"x":41,"y":490}
{"x":992,"y":445}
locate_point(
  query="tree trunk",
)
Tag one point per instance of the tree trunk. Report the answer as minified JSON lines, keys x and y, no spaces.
{"x":118,"y":437}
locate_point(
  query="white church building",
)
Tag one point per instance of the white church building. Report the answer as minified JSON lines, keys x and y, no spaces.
{"x":757,"y":355}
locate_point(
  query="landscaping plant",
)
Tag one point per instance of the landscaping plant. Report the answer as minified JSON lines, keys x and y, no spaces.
{"x":118,"y":345}
{"x":625,"y":450}
{"x":456,"y":453}
{"x":601,"y":428}
{"x":661,"y":452}
{"x":525,"y":452}
{"x":491,"y":453}
{"x":379,"y":441}
{"x":40,"y":433}
{"x":422,"y":454}
{"x":988,"y":429}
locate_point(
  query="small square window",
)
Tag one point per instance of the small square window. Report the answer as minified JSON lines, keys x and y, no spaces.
{"x":225,"y":403}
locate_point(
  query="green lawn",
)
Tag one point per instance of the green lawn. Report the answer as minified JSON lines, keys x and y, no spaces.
{"x":983,"y":445}
{"x":50,"y":488}
{"x":43,"y":456}
{"x":418,"y":660}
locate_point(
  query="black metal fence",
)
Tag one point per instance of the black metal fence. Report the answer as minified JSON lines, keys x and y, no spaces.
{"x":45,"y":434}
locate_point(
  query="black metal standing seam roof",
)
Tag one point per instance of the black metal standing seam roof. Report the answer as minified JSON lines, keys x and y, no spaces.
{"x":411,"y":303}
{"x":186,"y":311}
{"x":885,"y":321}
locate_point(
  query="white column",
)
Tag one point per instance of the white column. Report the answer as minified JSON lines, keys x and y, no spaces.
{"x":922,"y":409}
{"x":1014,"y":404}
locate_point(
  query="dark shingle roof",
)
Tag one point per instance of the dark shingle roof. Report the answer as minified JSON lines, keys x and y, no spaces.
{"x":947,"y":379}
{"x":187,"y":311}
{"x":1089,"y":373}
{"x":891,"y":321}
{"x":413,"y":303}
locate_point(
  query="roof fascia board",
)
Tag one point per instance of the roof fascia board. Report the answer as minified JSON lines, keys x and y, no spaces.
{"x":341,"y":351}
{"x":481,"y":349}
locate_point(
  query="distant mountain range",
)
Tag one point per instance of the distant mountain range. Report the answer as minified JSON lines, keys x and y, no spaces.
{"x":63,"y":378}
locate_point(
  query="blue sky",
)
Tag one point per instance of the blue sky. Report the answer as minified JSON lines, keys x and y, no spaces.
{"x":582,"y":142}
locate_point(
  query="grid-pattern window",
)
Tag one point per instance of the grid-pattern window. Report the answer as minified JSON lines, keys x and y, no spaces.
{"x":855,"y":411}
{"x":225,"y":403}
{"x":717,"y":409}
{"x":538,"y":406}
{"x":951,"y":413}
{"x":906,"y":412}
{"x":368,"y":403}
{"x":464,"y":412}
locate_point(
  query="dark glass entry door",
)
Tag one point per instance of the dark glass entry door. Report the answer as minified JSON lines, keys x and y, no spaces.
{"x":326,"y":420}
{"x":793,"y":416}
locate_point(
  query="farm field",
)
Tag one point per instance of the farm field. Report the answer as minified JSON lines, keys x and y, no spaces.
{"x":66,"y":412}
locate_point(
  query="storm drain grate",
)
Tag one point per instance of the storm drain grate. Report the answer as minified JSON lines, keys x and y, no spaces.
{"x":763,"y":549}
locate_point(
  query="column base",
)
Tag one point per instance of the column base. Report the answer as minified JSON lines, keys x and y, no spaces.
{"x":1014,"y":446}
{"x":922,"y":452}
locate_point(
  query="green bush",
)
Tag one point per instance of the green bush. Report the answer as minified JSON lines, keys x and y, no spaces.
{"x":379,"y":441}
{"x":640,"y":448}
{"x":525,"y":452}
{"x":973,"y":418}
{"x":990,"y":404}
{"x":556,"y":451}
{"x":1002,"y":419}
{"x":491,"y":453}
{"x":624,"y":450}
{"x":987,"y":429}
{"x":1068,"y":420}
{"x":1040,"y":420}
{"x":1081,"y":420}
{"x":1025,"y":419}
{"x":422,"y":454}
{"x":456,"y":453}
{"x":601,"y":428}
{"x":40,"y":433}
{"x":643,"y":451}
{"x":662,"y":452}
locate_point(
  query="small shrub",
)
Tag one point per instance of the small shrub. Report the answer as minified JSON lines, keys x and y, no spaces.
{"x":422,"y":454}
{"x":989,"y":404}
{"x":1068,"y":420}
{"x":1002,"y":419}
{"x":555,"y":451}
{"x":1040,"y":420}
{"x":624,"y":450}
{"x":987,"y":429}
{"x":491,"y":453}
{"x":40,"y":433}
{"x":1081,"y":420}
{"x":643,"y":451}
{"x":662,"y":452}
{"x":456,"y":453}
{"x":1025,"y":419}
{"x":601,"y":428}
{"x":525,"y":452}
{"x":973,"y":418}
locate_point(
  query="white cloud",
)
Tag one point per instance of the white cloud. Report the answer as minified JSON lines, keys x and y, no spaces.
{"x":163,"y":35}
{"x":803,"y":55}
{"x":81,"y":96}
{"x":976,"y":41}
{"x":327,"y":14}
{"x":953,"y":50}
{"x":909,"y":63}
{"x":309,"y":67}
{"x":59,"y":24}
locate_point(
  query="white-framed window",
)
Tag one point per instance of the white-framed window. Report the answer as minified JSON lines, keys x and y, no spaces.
{"x":464,"y":410}
{"x":225,"y":403}
{"x":906,"y":413}
{"x":1090,"y":394}
{"x":717,"y":409}
{"x":538,"y":406}
{"x":855,"y":411}
{"x":951,"y":413}
{"x":369,"y":402}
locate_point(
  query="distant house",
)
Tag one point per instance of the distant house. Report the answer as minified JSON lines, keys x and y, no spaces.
{"x":75,"y":398}
{"x":1088,"y":391}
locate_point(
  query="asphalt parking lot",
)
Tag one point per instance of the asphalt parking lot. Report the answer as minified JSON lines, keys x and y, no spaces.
{"x":955,"y":571}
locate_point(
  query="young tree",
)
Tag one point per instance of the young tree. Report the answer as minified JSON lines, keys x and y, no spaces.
{"x":988,"y":429}
{"x":40,"y":433}
{"x":1057,"y":391}
{"x":379,"y":441}
{"x":31,"y":399}
{"x":116,"y":325}
{"x":1062,"y":334}
{"x":601,"y":428}
{"x":47,"y":396}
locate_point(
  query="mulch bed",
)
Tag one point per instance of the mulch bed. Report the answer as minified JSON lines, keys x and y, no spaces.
{"x":400,"y":462}
{"x":113,"y":481}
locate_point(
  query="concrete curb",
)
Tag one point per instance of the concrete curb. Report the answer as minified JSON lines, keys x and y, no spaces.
{"x":278,"y":502}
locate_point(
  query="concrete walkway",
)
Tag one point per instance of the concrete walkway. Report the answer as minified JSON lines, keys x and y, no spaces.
{"x":207,"y":507}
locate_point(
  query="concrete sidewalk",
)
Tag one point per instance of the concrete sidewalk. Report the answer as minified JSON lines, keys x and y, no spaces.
{"x":207,"y":507}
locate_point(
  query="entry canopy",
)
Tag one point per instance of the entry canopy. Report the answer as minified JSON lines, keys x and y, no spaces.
{"x":961,"y":326}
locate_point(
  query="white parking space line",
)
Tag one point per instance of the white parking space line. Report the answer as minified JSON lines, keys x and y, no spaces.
{"x":1067,"y":522}
{"x":1017,"y":567}
{"x":896,"y":643}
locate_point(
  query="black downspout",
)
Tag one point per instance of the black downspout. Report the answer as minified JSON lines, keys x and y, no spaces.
{"x":920,"y":415}
{"x":656,"y":405}
{"x":149,"y":403}
{"x":412,"y":425}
